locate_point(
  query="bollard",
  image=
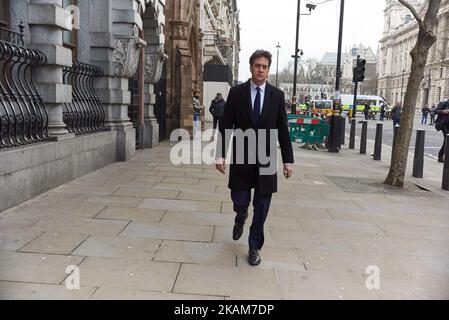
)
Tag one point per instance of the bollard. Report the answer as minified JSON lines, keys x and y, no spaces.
{"x":418,"y":162}
{"x":364,"y":137}
{"x":343,"y":130}
{"x":352,"y":137}
{"x":378,"y":144}
{"x":335,"y":135}
{"x":446,"y":166}
{"x":395,"y":134}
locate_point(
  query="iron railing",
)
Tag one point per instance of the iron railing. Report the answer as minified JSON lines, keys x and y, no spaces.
{"x":11,"y":36}
{"x":24,"y":118}
{"x":85,"y":114}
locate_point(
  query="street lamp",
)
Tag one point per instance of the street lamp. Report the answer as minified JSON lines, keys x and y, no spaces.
{"x":277,"y":66}
{"x":335,"y":134}
{"x":402,"y":86}
{"x":298,"y":51}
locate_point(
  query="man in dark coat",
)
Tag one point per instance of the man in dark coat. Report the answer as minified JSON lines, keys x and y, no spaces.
{"x":396,"y":114}
{"x":443,"y":124}
{"x":217,"y":110}
{"x":255,"y":109}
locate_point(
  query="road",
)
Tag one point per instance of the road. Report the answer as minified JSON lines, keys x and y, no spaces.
{"x":434,"y":139}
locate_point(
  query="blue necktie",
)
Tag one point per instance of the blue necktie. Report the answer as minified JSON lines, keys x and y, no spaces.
{"x":256,"y":110}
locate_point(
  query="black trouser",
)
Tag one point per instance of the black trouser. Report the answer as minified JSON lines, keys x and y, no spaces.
{"x":445,"y":131}
{"x":261,"y":204}
{"x":216,"y":120}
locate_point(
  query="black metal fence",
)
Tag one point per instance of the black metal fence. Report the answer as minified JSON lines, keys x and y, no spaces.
{"x":85,"y":114}
{"x":24,"y":118}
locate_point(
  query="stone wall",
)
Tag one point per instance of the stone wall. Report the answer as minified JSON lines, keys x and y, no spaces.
{"x":29,"y":171}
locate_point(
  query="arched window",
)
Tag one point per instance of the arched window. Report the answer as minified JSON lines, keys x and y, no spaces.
{"x":4,"y":14}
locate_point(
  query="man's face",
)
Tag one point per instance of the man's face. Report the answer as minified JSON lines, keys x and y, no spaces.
{"x":260,"y":70}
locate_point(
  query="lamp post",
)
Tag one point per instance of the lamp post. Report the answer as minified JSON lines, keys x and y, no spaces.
{"x":335,"y":134}
{"x":298,"y":52}
{"x":277,"y":66}
{"x":402,"y":86}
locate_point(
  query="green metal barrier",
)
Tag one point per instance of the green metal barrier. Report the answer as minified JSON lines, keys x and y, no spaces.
{"x":308,"y":130}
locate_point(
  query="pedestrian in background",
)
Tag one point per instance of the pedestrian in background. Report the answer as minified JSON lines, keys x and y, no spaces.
{"x":442,"y":124}
{"x":196,"y":112}
{"x":382,"y":112}
{"x":432,"y":115}
{"x":425,"y":114}
{"x":367,"y":110}
{"x":217,"y":110}
{"x":396,"y":115}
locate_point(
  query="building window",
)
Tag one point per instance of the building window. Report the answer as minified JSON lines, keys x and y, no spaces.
{"x":4,"y":13}
{"x":439,"y":94}
{"x":70,"y":38}
{"x":441,"y":72}
{"x":408,"y":18}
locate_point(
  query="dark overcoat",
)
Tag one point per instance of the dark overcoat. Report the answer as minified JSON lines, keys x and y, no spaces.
{"x":239,"y":115}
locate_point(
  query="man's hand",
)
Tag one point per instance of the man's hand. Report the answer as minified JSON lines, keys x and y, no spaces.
{"x":288,"y":171}
{"x":445,"y":111}
{"x":220,"y":164}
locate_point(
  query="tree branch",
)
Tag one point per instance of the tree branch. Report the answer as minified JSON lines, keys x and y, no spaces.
{"x":414,"y":12}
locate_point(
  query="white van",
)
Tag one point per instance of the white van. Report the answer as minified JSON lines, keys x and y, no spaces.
{"x":376,"y":102}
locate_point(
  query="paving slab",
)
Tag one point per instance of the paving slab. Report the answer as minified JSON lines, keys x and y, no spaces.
{"x":32,"y":291}
{"x":181,"y":205}
{"x":55,"y":243}
{"x":121,"y":294}
{"x":131,"y":214}
{"x":35,"y":268}
{"x":115,"y":247}
{"x":168,"y":232}
{"x":197,"y":253}
{"x":227,"y":281}
{"x":128,"y":274}
{"x":80,"y":226}
{"x":146,"y":193}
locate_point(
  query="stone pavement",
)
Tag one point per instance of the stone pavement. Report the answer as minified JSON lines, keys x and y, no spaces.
{"x":146,"y":229}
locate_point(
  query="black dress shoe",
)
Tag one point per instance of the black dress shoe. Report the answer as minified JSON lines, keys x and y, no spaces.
{"x":254,"y":257}
{"x":238,"y":229}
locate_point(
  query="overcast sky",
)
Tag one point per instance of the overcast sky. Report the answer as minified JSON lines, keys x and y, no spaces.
{"x":264,"y":23}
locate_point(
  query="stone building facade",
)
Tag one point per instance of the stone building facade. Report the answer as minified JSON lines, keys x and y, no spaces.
{"x":221,"y":46}
{"x":184,"y":67}
{"x":90,"y":50}
{"x":399,"y":38}
{"x":202,"y":39}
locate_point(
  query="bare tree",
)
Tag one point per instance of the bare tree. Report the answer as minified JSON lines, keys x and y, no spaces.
{"x":426,"y":38}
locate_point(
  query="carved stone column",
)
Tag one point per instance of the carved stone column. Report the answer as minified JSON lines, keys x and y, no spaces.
{"x":154,"y":58}
{"x":154,"y":63}
{"x":47,"y":22}
{"x":115,"y":46}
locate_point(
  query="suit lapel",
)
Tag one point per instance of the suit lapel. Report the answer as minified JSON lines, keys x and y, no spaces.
{"x":266,"y":103}
{"x":248,"y":102}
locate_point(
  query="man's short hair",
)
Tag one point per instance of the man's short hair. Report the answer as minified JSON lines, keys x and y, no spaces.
{"x":261,"y":54}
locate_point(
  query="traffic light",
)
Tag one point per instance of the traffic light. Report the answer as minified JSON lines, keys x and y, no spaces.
{"x":359,"y":71}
